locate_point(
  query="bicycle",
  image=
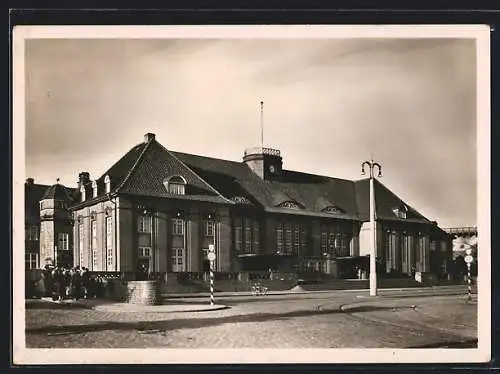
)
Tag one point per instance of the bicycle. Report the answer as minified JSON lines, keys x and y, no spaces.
{"x":259,"y":289}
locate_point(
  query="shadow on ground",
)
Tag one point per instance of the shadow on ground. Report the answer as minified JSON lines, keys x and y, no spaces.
{"x":471,"y":343}
{"x":193,"y":323}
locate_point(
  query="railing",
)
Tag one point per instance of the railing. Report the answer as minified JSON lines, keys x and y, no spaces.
{"x":262,"y":150}
{"x":461,"y":230}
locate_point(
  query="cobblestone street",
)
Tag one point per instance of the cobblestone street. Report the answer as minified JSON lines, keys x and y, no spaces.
{"x":293,"y":321}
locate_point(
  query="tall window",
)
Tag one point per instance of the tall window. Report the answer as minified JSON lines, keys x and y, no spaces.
{"x":335,"y":240}
{"x":279,"y":238}
{"x":31,"y":260}
{"x":144,"y":224}
{"x":178,"y":263}
{"x":291,"y":238}
{"x":80,"y":244}
{"x":178,"y":226}
{"x":109,"y":243}
{"x":93,"y":235}
{"x":287,"y":227}
{"x":63,"y":241}
{"x":32,"y":233}
{"x":238,"y":233}
{"x":246,"y":234}
{"x":209,"y":228}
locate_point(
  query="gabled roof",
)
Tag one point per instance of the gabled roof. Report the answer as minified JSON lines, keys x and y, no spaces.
{"x":385,"y":202}
{"x":144,"y":169}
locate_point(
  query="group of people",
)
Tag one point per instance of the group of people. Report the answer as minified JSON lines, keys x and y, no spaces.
{"x":68,"y":283}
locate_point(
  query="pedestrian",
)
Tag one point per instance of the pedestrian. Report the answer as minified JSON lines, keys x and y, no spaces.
{"x":85,"y":282}
{"x":76,"y":283}
{"x":270,"y":273}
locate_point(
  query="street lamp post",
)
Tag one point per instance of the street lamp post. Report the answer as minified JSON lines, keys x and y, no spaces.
{"x":373,"y":239}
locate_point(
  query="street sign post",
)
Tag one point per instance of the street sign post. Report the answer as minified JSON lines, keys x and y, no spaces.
{"x":211,"y":258}
{"x":468,"y":259}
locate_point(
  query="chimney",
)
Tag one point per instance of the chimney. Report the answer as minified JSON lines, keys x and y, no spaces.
{"x":83,"y":178}
{"x":149,"y":137}
{"x":30,"y":181}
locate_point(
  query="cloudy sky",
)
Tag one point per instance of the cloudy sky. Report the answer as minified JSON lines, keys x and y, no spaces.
{"x":329,"y":104}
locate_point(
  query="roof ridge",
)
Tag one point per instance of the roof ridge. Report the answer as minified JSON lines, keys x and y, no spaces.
{"x":132,"y":169}
{"x":194,"y":173}
{"x":209,"y":157}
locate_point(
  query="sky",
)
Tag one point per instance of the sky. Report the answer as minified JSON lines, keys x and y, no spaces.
{"x":329,"y":105}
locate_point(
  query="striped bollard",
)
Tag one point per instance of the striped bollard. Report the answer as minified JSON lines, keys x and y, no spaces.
{"x":211,"y":258}
{"x":212,"y":300}
{"x":469,"y":281}
{"x":468,"y":260}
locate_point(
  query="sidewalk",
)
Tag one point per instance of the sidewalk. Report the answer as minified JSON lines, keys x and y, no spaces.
{"x":454,"y":289}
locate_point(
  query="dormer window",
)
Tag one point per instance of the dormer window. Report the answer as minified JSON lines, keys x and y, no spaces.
{"x":175,"y":185}
{"x":290,"y":204}
{"x":400,"y":212}
{"x":82,"y":191}
{"x":94,"y":189}
{"x":333,"y":209}
{"x":107,"y":183}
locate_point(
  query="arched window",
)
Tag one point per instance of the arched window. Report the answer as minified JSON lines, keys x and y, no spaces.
{"x":175,"y":185}
{"x":401,"y":211}
{"x":290,"y":204}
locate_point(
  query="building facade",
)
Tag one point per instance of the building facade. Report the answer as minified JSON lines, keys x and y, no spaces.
{"x":157,"y":210}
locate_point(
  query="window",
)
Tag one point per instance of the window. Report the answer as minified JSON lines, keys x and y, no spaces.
{"x":144,"y":224}
{"x":144,"y":252}
{"x":63,"y":241}
{"x":109,"y":243}
{"x":238,"y":233}
{"x":31,"y":261}
{"x":80,"y":244}
{"x":178,"y":226}
{"x":32,"y":233}
{"x":288,"y":237}
{"x":335,"y":240}
{"x":289,"y":205}
{"x":246,"y":234}
{"x":279,"y":238}
{"x":175,"y":185}
{"x":93,"y":235}
{"x":178,"y":263}
{"x":209,"y":228}
{"x":400,"y":212}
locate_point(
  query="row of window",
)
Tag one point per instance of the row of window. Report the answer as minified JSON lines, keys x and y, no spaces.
{"x":94,"y":250}
{"x":404,"y":252}
{"x":246,"y":235}
{"x":291,"y":238}
{"x":145,"y":226}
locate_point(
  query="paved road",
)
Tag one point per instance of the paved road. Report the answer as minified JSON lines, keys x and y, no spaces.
{"x":396,"y":319}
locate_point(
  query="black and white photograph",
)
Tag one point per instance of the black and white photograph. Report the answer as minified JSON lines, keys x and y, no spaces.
{"x":251,"y":194}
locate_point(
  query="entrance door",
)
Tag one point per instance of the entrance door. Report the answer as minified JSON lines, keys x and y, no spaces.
{"x":178,"y":260}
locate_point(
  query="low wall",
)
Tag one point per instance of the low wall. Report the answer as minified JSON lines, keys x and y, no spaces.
{"x":146,"y":292}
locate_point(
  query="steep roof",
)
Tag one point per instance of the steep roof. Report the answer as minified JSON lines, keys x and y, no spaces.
{"x":33,"y":193}
{"x":312,"y":192}
{"x":385,"y":202}
{"x":144,"y":168}
{"x":58,"y":192}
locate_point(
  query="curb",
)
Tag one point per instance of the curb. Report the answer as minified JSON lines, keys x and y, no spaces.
{"x":136,"y":308}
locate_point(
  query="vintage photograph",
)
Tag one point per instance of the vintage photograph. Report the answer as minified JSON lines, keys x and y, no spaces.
{"x":283,"y":188}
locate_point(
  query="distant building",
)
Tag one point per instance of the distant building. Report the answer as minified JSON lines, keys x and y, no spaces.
{"x":48,"y":224}
{"x":157,"y":210}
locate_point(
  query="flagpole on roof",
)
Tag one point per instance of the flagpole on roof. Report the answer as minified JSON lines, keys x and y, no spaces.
{"x":262,"y":124}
